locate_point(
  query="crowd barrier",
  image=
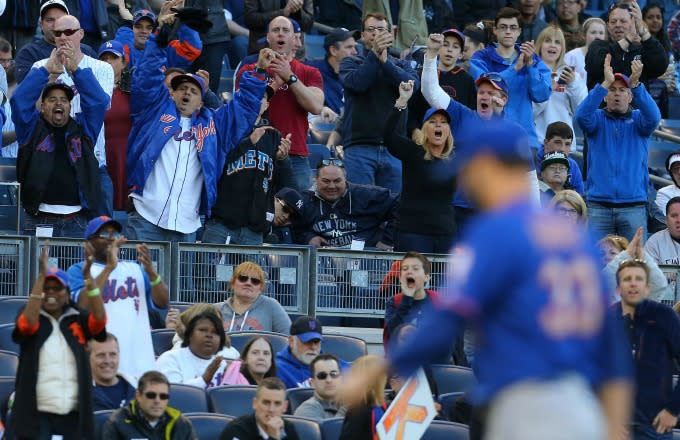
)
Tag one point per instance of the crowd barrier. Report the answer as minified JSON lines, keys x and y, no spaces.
{"x":671,"y":272}
{"x":306,"y":281}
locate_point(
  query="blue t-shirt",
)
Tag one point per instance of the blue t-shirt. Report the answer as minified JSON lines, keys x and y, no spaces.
{"x":113,"y":397}
{"x":87,"y":19}
{"x":530,"y":283}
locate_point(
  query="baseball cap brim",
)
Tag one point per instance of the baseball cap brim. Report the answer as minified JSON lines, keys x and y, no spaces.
{"x":624,"y":78}
{"x":432,"y":111}
{"x":455,"y":33}
{"x":310,"y":336}
{"x":481,"y":80}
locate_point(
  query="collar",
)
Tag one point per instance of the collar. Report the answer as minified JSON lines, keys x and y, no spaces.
{"x":263,"y":434}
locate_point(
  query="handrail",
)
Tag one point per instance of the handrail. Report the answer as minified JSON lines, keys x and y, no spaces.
{"x":656,"y":180}
{"x":667,"y":136}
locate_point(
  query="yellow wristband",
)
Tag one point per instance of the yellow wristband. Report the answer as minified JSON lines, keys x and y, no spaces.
{"x":157,"y":281}
{"x":94,"y":292}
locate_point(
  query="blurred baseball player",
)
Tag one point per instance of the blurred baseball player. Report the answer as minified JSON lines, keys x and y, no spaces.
{"x":550,"y":361}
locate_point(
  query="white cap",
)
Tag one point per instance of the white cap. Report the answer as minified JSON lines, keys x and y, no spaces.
{"x":53,"y":3}
{"x":674,"y":158}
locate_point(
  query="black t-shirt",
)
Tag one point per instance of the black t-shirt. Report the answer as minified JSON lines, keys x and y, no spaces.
{"x":62,"y":187}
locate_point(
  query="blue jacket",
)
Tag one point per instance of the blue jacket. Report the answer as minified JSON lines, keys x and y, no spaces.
{"x":333,"y":92}
{"x":180,"y":52}
{"x":294,"y":373}
{"x":155,"y":119}
{"x":655,"y":337}
{"x":617,"y":147}
{"x":530,"y":84}
{"x":575,"y":178}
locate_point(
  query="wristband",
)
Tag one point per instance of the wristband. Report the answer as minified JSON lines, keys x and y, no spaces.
{"x":94,"y":292}
{"x":157,"y":281}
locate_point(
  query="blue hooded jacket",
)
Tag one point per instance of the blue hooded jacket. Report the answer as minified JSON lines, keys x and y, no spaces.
{"x":530,"y":84}
{"x":181,"y":52}
{"x":155,"y":120}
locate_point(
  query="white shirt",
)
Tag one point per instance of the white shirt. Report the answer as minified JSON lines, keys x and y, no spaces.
{"x":104,"y":74}
{"x":182,"y":366}
{"x":172,"y":193}
{"x":56,"y":388}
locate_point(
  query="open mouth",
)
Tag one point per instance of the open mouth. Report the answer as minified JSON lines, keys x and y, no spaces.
{"x":484,"y":106}
{"x":50,"y":300}
{"x":410,"y":282}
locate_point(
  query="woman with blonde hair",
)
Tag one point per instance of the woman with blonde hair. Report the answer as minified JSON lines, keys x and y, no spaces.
{"x":570,"y":204}
{"x":247,"y":308}
{"x":425,"y":220}
{"x":612,"y":245}
{"x":568,"y":89}
{"x":363,"y":415}
{"x":592,"y":29}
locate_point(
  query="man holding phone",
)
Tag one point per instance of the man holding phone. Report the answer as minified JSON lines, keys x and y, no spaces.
{"x":629,"y":39}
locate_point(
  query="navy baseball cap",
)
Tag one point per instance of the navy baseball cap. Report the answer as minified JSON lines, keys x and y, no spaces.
{"x":57,"y":85}
{"x":336,"y":36}
{"x":296,"y":26}
{"x":494,"y":79}
{"x":59,"y":275}
{"x":292,"y":198}
{"x":307,"y":329}
{"x":114,"y":47}
{"x":623,"y":78}
{"x":96,"y":224}
{"x":188,"y":77}
{"x":455,"y":33}
{"x":432,"y":110}
{"x":144,"y":13}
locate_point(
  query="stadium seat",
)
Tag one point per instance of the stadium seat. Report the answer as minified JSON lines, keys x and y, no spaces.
{"x":306,"y":429}
{"x":296,"y":396}
{"x":314,"y":46}
{"x":320,"y":130}
{"x":676,"y":434}
{"x":439,"y":430}
{"x":9,"y":361}
{"x":331,"y":428}
{"x":6,"y":342}
{"x":232,"y":400}
{"x":448,"y":402}
{"x":187,"y":398}
{"x":182,"y":306}
{"x":100,"y":417}
{"x":208,"y":425}
{"x":162,"y":340}
{"x":452,"y":378}
{"x":6,"y":390}
{"x":9,"y":308}
{"x":240,"y":339}
{"x":317,"y":153}
{"x":347,"y":348}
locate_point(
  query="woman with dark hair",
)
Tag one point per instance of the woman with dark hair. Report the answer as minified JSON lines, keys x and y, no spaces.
{"x":660,"y":88}
{"x":256,"y":363}
{"x":477,"y":36}
{"x":202,"y":360}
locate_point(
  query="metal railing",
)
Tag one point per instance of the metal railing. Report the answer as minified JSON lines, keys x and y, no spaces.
{"x":15,"y":267}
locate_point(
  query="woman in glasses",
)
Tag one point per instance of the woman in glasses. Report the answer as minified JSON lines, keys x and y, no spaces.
{"x":425,"y":220}
{"x":570,"y":204}
{"x":247,"y":308}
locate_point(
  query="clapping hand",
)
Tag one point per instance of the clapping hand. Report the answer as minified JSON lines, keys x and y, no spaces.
{"x":608,"y":72}
{"x":636,"y":71}
{"x":405,"y":90}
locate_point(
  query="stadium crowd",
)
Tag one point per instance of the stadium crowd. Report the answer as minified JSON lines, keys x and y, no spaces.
{"x":124,"y":124}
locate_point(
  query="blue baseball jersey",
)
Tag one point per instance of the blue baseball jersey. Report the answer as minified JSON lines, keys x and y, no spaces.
{"x":529,"y":282}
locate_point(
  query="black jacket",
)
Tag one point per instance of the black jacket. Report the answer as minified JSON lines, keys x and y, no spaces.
{"x":214,"y":10}
{"x":127,"y":423}
{"x":258,"y":14}
{"x":245,"y":428}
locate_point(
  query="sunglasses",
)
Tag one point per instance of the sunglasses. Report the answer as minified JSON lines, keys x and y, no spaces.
{"x":323,"y":375}
{"x":152,"y":395}
{"x":336,"y":162}
{"x":245,"y":278}
{"x":108,"y":235}
{"x":492,"y":76}
{"x":67,"y":32}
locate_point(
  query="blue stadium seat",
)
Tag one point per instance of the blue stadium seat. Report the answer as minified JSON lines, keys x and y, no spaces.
{"x":6,"y":342}
{"x":208,"y":425}
{"x":448,"y":402}
{"x":240,"y":339}
{"x":347,"y":348}
{"x":452,"y":378}
{"x":296,"y":396}
{"x":314,"y":46}
{"x":320,"y":130}
{"x":331,"y":428}
{"x":187,"y":398}
{"x":306,"y":429}
{"x":162,"y":340}
{"x":439,"y":430}
{"x":9,"y":361}
{"x":676,"y":434}
{"x":232,"y":400}
{"x":317,"y":153}
{"x":9,"y":308}
{"x":182,"y":306}
{"x":100,"y":417}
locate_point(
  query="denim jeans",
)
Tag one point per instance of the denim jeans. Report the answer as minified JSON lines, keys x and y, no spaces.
{"x":373,"y":165}
{"x":301,"y":173}
{"x":139,"y":228}
{"x":648,"y":432}
{"x":106,"y":186}
{"x":620,"y":221}
{"x":423,"y":243}
{"x":71,"y":227}
{"x":217,"y":232}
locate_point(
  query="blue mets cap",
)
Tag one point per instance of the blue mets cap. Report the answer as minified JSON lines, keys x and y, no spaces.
{"x":96,"y":224}
{"x":493,"y":78}
{"x":188,"y":77}
{"x":57,"y":274}
{"x":144,"y":13}
{"x":114,"y":47}
{"x":432,"y":110}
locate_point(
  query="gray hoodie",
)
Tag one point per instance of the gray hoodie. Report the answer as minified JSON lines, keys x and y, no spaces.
{"x":265,"y":314}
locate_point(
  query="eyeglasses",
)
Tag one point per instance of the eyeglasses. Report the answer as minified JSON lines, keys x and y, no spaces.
{"x":567,"y":212}
{"x":67,"y":32}
{"x":151,"y":395}
{"x":505,"y":27}
{"x":108,"y":235}
{"x":285,"y":207}
{"x":323,"y":375}
{"x":6,"y":61}
{"x":336,"y":162}
{"x":557,"y":168}
{"x":372,"y":29}
{"x":245,"y":278}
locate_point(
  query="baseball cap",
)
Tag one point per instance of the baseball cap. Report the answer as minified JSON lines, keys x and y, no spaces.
{"x":292,"y":198}
{"x":188,"y":77}
{"x":96,"y":224}
{"x":52,"y":4}
{"x":144,"y":13}
{"x":672,"y":158}
{"x":432,"y":110}
{"x":307,"y":329}
{"x":296,"y":26}
{"x":57,"y":274}
{"x":51,"y":86}
{"x":455,"y":33}
{"x":554,"y":157}
{"x":337,"y":35}
{"x":114,"y":47}
{"x":495,"y":80}
{"x":623,"y":78}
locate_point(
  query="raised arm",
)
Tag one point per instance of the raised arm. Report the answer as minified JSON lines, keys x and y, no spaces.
{"x":185,"y":49}
{"x":430,"y":88}
{"x":649,"y":116}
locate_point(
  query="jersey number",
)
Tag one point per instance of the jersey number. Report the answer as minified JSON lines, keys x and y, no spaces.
{"x":575,"y":306}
